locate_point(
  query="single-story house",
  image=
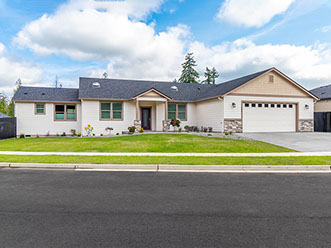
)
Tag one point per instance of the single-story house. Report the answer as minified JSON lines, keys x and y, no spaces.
{"x":323,"y":109}
{"x":266,"y":101}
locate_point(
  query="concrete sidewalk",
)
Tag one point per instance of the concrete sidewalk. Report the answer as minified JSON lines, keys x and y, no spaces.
{"x":177,"y":168}
{"x":159,"y":154}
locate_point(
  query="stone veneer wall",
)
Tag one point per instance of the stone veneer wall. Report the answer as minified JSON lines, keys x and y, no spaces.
{"x":137,"y":124}
{"x":166,"y":125}
{"x":306,"y":126}
{"x":235,"y":126}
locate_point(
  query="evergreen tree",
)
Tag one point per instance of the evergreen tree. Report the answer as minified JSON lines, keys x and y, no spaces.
{"x":3,"y":103}
{"x":214,"y":74}
{"x":208,"y":76}
{"x":189,"y":74}
{"x":11,"y":105}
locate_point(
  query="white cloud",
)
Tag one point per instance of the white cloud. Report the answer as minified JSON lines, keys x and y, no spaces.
{"x":307,"y":64}
{"x":325,"y":29}
{"x":109,"y":31}
{"x":12,"y":68}
{"x":253,"y":13}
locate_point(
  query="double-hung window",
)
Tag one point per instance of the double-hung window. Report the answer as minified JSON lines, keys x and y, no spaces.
{"x":177,"y":110}
{"x":65,"y":112}
{"x":111,"y":111}
{"x":40,"y":109}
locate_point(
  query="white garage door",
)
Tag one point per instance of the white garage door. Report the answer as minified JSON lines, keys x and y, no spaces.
{"x":269,"y":117}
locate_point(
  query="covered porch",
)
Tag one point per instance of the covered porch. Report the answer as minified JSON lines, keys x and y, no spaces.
{"x":152,"y":111}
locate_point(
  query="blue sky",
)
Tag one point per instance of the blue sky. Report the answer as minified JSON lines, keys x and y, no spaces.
{"x":148,"y":39}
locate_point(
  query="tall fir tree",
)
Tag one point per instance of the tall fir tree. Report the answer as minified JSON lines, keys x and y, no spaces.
{"x":214,"y":74}
{"x":189,"y":74}
{"x":208,"y":76}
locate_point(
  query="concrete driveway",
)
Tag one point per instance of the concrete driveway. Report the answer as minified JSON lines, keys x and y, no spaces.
{"x":304,"y":142}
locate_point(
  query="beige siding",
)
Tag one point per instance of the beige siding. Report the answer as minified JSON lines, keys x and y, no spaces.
{"x":280,"y":87}
{"x":30,"y":124}
{"x":91,"y":115}
{"x":323,"y":106}
{"x":210,"y":114}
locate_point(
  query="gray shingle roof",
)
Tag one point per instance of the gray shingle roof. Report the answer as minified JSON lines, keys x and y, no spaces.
{"x":323,"y":92}
{"x":46,"y":94}
{"x":128,"y":89}
{"x":3,"y":115}
{"x":122,"y":89}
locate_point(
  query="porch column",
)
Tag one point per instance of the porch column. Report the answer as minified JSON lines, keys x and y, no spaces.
{"x":137,"y":110}
{"x":166,"y":111}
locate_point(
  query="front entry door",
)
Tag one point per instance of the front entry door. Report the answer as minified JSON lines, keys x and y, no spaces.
{"x":146,"y":118}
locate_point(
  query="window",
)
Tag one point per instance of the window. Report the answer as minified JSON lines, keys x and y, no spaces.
{"x":260,"y":105}
{"x":253,"y":105}
{"x":278,"y":105}
{"x":284,"y":106}
{"x":272,"y":105}
{"x":290,"y":106}
{"x":271,"y":78}
{"x":40,"y":109}
{"x":177,"y":110}
{"x":266,"y":105}
{"x":246,"y":105}
{"x":111,"y":111}
{"x":65,"y":112}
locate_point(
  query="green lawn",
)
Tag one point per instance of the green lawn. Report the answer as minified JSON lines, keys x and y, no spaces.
{"x":140,"y":143}
{"x":167,"y":160}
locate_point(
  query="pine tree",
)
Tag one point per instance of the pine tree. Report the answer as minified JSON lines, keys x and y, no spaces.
{"x":214,"y":74}
{"x":208,"y":76}
{"x":189,"y":74}
{"x":3,"y":103}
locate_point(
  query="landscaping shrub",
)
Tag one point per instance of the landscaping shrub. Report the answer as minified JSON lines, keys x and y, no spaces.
{"x":187,"y":128}
{"x":117,"y":133}
{"x":210,"y":129}
{"x":101,"y":134}
{"x":226,"y":133}
{"x":73,"y":132}
{"x":64,"y":134}
{"x":22,"y":136}
{"x":79,"y":134}
{"x":132,"y":129}
{"x":141,"y":130}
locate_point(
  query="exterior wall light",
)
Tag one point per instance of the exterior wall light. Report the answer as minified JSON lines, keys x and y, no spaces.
{"x":306,"y":106}
{"x":234,"y":105}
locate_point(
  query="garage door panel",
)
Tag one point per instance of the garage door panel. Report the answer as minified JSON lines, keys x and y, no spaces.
{"x":269,"y":119}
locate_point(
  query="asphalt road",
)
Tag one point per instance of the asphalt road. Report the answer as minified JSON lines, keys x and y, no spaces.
{"x":44,"y":208}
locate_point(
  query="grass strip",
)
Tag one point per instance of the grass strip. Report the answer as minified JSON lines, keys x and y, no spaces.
{"x":311,"y":160}
{"x":140,"y":143}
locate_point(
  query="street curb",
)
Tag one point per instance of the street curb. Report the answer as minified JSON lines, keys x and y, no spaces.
{"x":177,"y":168}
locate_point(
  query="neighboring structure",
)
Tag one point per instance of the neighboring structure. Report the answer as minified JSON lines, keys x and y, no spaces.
{"x":266,"y":101}
{"x":7,"y":126}
{"x":322,"y":115}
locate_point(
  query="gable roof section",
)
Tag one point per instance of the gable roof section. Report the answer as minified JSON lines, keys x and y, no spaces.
{"x":46,"y":94}
{"x":323,"y":92}
{"x":153,"y":90}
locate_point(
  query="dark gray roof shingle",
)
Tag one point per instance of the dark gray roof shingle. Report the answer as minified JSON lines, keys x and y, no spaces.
{"x":128,"y":89}
{"x":122,"y":89}
{"x":323,"y":92}
{"x":46,"y":94}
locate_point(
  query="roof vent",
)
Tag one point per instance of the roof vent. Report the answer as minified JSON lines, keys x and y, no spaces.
{"x":96,"y":85}
{"x":25,"y":93}
{"x":174,"y":88}
{"x":43,"y":94}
